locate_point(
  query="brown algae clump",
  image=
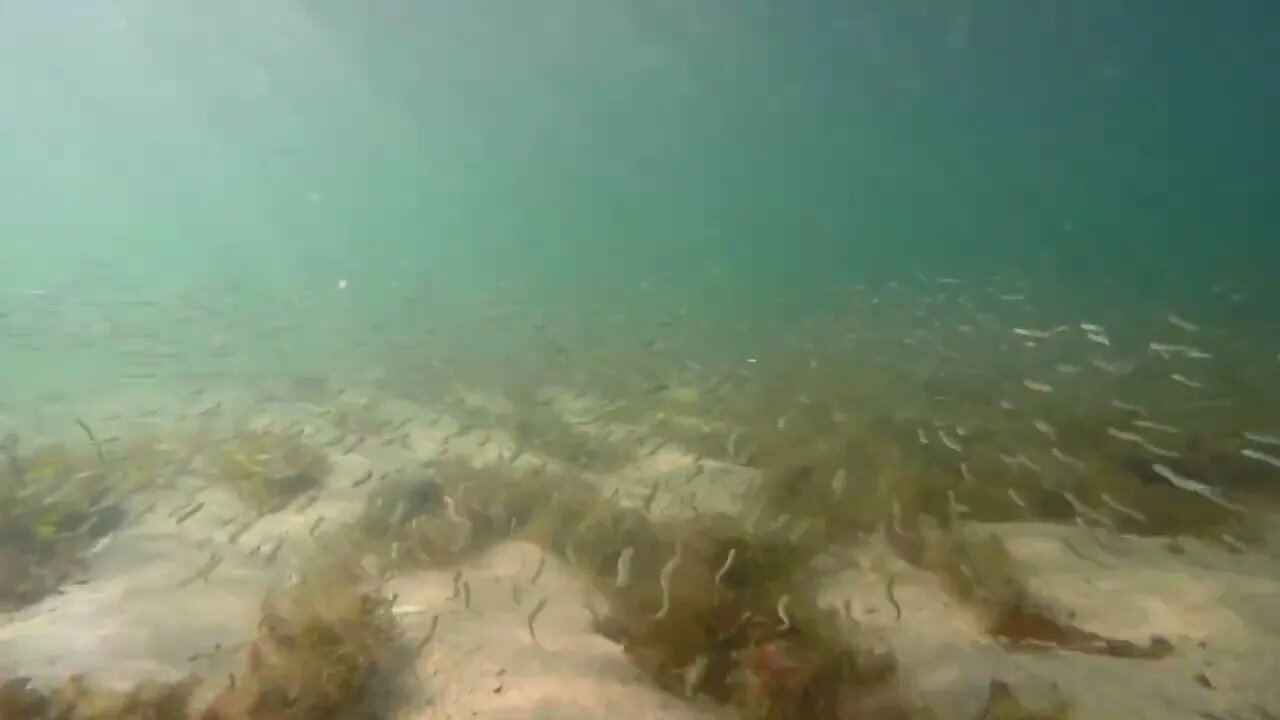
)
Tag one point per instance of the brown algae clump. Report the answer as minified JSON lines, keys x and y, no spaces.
{"x":706,"y":609}
{"x":323,"y":644}
{"x":325,"y":648}
{"x":77,"y":699}
{"x":269,"y":469}
{"x":982,"y":572}
{"x":437,"y":514}
{"x":55,"y":503}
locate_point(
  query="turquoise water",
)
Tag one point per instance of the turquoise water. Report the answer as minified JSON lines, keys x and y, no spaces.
{"x":776,"y":217}
{"x":256,"y":193}
{"x":537,"y":145}
{"x":624,"y":157}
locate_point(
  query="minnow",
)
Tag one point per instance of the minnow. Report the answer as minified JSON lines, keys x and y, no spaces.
{"x":693,"y":675}
{"x":93,"y":440}
{"x":1166,"y":350}
{"x":315,"y":526}
{"x":784,"y":603}
{"x":1039,"y":387}
{"x":950,"y":442}
{"x":1116,"y":368}
{"x":1262,"y":438}
{"x":1158,"y":427}
{"x":1186,"y":381}
{"x":203,"y":573}
{"x":1033,"y":333}
{"x":838,"y":482}
{"x":1083,"y":510}
{"x":275,"y":550}
{"x":238,"y":532}
{"x":893,"y":600}
{"x":537,"y":609}
{"x":1234,"y":543}
{"x":189,"y":513}
{"x":1099,"y":338}
{"x":1261,"y":456}
{"x":1017,"y":499}
{"x":728,"y":563}
{"x":1187,"y":484}
{"x":664,"y":580}
{"x":954,"y":508}
{"x":537,"y":571}
{"x":1183,"y":324}
{"x":624,"y":567}
{"x":1129,"y":407}
{"x":731,"y":447}
{"x":99,"y":545}
{"x":1069,"y":460}
{"x":1020,"y":460}
{"x":451,"y":510}
{"x":650,"y":497}
{"x":431,"y":632}
{"x":1122,"y":509}
{"x":1045,"y":428}
{"x":662,"y":442}
{"x":1138,"y":439}
{"x":920,"y":434}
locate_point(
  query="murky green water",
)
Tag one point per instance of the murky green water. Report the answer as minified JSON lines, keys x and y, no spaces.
{"x":648,"y":280}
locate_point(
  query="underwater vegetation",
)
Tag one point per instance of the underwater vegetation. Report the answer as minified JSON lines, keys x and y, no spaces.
{"x":840,"y":448}
{"x":703,"y":606}
{"x":706,"y":606}
{"x":857,"y":470}
{"x":707,"y":609}
{"x":268,"y":468}
{"x":77,"y":699}
{"x":711,"y":606}
{"x":55,"y":503}
{"x":439,"y":513}
{"x":322,"y":647}
{"x":537,"y":428}
{"x":978,"y":569}
{"x":323,"y":643}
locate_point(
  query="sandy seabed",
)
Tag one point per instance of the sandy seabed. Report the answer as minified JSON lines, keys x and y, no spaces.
{"x":135,"y":615}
